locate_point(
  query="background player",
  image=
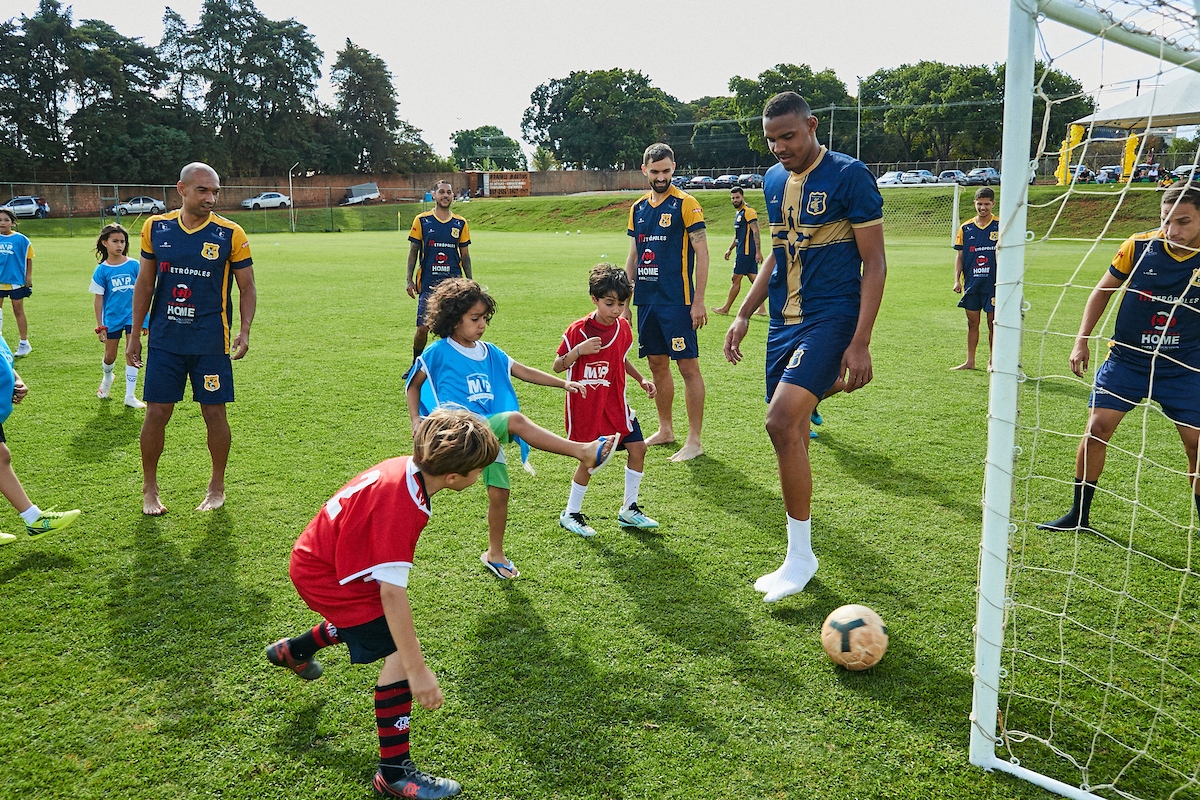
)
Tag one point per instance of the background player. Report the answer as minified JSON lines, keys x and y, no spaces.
{"x":826,"y":215}
{"x":439,"y":240}
{"x":1155,"y":347}
{"x":975,"y":270}
{"x":746,"y":244}
{"x":668,"y":267}
{"x":351,"y":566}
{"x":112,"y":284}
{"x":595,"y":353}
{"x":16,"y":274}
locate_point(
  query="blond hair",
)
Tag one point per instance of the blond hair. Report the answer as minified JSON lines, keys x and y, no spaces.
{"x":453,"y":440}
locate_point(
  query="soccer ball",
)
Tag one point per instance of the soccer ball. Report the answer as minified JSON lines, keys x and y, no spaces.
{"x":854,"y":637}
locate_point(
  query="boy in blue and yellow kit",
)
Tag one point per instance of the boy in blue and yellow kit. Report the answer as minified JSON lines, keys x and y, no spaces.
{"x":975,"y":270}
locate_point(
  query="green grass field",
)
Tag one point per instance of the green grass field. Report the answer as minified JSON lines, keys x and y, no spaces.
{"x":626,"y":666}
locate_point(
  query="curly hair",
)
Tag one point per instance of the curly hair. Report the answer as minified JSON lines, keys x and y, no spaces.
{"x":606,"y":278}
{"x":453,"y":440}
{"x":105,"y":232}
{"x":451,"y":301}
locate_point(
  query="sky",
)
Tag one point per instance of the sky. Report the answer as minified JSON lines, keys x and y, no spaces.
{"x":459,"y":65}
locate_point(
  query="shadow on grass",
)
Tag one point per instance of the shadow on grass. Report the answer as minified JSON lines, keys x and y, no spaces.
{"x":113,"y":426}
{"x":36,"y":562}
{"x":296,"y":738}
{"x":729,"y":489}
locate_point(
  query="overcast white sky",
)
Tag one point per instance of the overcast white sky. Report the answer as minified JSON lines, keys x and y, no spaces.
{"x":466,"y":63}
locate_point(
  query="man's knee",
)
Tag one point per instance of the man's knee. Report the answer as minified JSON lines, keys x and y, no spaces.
{"x":158,"y":415}
{"x":689,"y":368}
{"x":213,"y":413}
{"x":1101,"y":426}
{"x":659,"y":364}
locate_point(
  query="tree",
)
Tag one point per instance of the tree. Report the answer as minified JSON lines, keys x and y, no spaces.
{"x":52,"y":63}
{"x":821,"y":89}
{"x":544,"y":160}
{"x":488,"y":143}
{"x":367,"y":111}
{"x":597,"y":120}
{"x":717,"y":140}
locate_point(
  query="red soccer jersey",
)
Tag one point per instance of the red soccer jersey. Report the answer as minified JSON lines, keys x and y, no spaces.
{"x":603,"y":411}
{"x":373,"y":522}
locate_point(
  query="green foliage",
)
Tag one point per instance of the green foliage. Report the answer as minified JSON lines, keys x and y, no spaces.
{"x":488,"y":148}
{"x":543,"y":159}
{"x":602,"y":119}
{"x":820,"y":89}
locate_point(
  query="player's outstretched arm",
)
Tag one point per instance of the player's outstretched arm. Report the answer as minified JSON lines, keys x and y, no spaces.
{"x":143,"y":292}
{"x":247,"y":304}
{"x":398,"y":613}
{"x":741,"y":323}
{"x":531,"y":375}
{"x":856,"y":361}
{"x":1096,"y":303}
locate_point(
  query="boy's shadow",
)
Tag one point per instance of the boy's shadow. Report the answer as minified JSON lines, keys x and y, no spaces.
{"x":36,"y":562}
{"x":114,"y":425}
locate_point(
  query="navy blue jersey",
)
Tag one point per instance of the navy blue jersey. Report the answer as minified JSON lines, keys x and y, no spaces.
{"x":813,"y":214}
{"x":192,"y":307}
{"x":746,"y":243}
{"x":1160,"y":305}
{"x":665,"y":258}
{"x":978,"y":246}
{"x":440,"y":256}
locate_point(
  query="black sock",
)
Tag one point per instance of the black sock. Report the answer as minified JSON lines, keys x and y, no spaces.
{"x":393,"y":709}
{"x":1084,"y":492}
{"x":305,"y":645}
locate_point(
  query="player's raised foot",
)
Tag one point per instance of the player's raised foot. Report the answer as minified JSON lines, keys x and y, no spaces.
{"x":151,"y":505}
{"x":6,"y":538}
{"x":23,"y":349}
{"x":105,"y":386}
{"x":633,"y":517}
{"x":661,"y":436}
{"x":688,"y":452}
{"x":416,"y":785}
{"x":576,"y":523}
{"x":213,"y":499}
{"x":964,"y":365}
{"x":133,"y":402}
{"x":280,"y":654}
{"x":605,"y":449}
{"x":51,"y":521}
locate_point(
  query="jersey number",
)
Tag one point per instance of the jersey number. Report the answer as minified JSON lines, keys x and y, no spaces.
{"x":334,"y":505}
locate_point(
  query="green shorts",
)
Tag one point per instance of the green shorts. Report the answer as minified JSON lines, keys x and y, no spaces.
{"x":496,"y":473}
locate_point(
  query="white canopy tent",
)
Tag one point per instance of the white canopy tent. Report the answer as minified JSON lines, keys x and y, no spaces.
{"x":1176,"y":103}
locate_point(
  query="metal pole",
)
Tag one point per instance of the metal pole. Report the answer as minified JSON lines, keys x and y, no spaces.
{"x":292,"y":197}
{"x":858,"y":136}
{"x":831,"y":128}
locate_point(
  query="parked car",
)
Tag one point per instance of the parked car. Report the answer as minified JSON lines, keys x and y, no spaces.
{"x":1114,"y":171}
{"x":699,"y":182}
{"x":751,"y":180}
{"x":139,"y":205}
{"x":1184,"y":173}
{"x":680,"y":181}
{"x":891,"y":178}
{"x":725,"y":182}
{"x":918,"y":176}
{"x":982,"y":176}
{"x":28,"y":206}
{"x":952,"y":176}
{"x":267,"y":200}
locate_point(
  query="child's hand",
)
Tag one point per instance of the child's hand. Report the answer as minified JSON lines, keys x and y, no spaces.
{"x":19,"y":390}
{"x":575,"y":386}
{"x":648,"y":385}
{"x":425,"y":690}
{"x":589,"y":347}
{"x":958,"y":286}
{"x":102,"y":334}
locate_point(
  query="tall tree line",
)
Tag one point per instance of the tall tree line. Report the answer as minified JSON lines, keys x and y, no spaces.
{"x":82,"y":102}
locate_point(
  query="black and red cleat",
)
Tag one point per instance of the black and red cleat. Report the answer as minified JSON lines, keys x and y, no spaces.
{"x":416,"y":785}
{"x":280,"y":654}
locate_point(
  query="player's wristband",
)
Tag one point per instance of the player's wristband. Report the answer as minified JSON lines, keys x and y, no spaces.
{"x":100,"y":328}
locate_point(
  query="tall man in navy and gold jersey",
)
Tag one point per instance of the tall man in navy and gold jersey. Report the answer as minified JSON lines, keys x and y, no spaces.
{"x":190,"y":260}
{"x":668,"y":267}
{"x":1155,"y":348}
{"x":975,"y":270}
{"x":745,"y":243}
{"x":827,"y":274}
{"x":438,"y":240}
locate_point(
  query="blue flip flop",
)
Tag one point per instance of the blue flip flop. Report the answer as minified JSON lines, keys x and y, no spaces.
{"x":602,"y":459}
{"x":494,"y":567}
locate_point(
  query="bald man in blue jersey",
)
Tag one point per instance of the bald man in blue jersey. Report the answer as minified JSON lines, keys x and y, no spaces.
{"x":827,"y":270}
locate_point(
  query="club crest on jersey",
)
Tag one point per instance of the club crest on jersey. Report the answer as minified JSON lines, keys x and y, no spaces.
{"x":596,"y":374}
{"x":479,"y":387}
{"x":664,"y":221}
{"x":210,"y":251}
{"x":212,"y":383}
{"x":677,"y":344}
{"x":1195,"y":281}
{"x":816,"y":202}
{"x":454,"y":232}
{"x":994,"y":235}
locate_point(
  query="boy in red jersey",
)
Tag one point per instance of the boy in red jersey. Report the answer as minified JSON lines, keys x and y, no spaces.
{"x":595,"y":352}
{"x":351,"y":566}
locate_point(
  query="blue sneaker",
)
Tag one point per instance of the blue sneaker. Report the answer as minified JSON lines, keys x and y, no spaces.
{"x":633,"y":517}
{"x":815,"y":418}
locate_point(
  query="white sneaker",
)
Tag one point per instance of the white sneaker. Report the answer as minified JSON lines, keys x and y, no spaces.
{"x":133,"y":402}
{"x":105,"y":385}
{"x":576,"y":523}
{"x":23,"y":349}
{"x":633,"y":517}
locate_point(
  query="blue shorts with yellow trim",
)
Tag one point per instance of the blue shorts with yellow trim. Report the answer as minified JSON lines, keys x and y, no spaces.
{"x":666,"y":331}
{"x":745,"y":265}
{"x":980,"y":298}
{"x":167,"y":373}
{"x":808,"y":355}
{"x":1121,"y":385}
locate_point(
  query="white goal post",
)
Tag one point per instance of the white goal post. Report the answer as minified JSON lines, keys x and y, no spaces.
{"x":1094,"y":17}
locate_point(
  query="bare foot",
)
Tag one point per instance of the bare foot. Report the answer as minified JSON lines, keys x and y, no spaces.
{"x":688,"y":452}
{"x":213,"y":500}
{"x":151,"y":505}
{"x":760,"y":313}
{"x":590,"y":454}
{"x":965,"y":365}
{"x":722,"y":311}
{"x":660,"y":436}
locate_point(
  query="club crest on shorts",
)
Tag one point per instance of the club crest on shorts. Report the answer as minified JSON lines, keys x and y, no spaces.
{"x":212,"y":383}
{"x":794,"y":361}
{"x":211,"y":251}
{"x":677,"y":344}
{"x":664,"y":221}
{"x":816,"y":202}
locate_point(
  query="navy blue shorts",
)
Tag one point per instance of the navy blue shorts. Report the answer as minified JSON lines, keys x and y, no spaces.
{"x":979,"y":299}
{"x":808,"y":355}
{"x":368,"y":642}
{"x":634,"y":435}
{"x":745,"y":265}
{"x":422,"y":299}
{"x":167,"y":373}
{"x":115,"y":333}
{"x":2,"y":439}
{"x":1120,"y":385}
{"x":19,"y":293}
{"x":666,"y":331}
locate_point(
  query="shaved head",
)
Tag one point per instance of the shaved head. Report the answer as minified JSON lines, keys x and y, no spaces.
{"x":197,"y":170}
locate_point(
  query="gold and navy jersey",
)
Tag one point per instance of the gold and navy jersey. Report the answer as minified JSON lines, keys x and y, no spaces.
{"x":978,"y":246}
{"x":813,"y":215}
{"x":440,"y":256}
{"x":193,"y":305}
{"x":665,"y":258}
{"x":743,"y":235}
{"x":1160,"y":304}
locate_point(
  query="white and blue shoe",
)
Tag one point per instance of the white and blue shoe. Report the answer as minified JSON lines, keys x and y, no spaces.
{"x":576,"y":523}
{"x":633,"y":517}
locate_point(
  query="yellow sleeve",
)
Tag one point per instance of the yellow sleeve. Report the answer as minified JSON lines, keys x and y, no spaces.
{"x":693,"y":212}
{"x":414,"y":232}
{"x":1122,"y":262}
{"x":631,"y":218}
{"x":751,"y":215}
{"x":958,"y":238}
{"x":464,"y":238}
{"x":29,"y":252}
{"x":147,"y":241}
{"x":240,"y":246}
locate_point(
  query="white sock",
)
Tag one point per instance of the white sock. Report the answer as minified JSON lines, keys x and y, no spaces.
{"x":633,"y":485}
{"x":131,"y":374}
{"x":575,"y":501}
{"x":31,"y":514}
{"x":108,"y":369}
{"x":799,"y":541}
{"x":23,"y":342}
{"x":799,"y":565}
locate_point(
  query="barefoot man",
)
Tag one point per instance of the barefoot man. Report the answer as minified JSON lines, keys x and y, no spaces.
{"x":190,"y":257}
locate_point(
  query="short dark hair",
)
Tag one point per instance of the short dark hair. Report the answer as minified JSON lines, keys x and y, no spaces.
{"x":1187,"y":192}
{"x":657,"y":152}
{"x":105,"y":232}
{"x":439,"y":183}
{"x":451,"y":301}
{"x":605,"y":279}
{"x":985,"y":191}
{"x":786,"y":103}
{"x":10,"y":213}
{"x":737,"y":189}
